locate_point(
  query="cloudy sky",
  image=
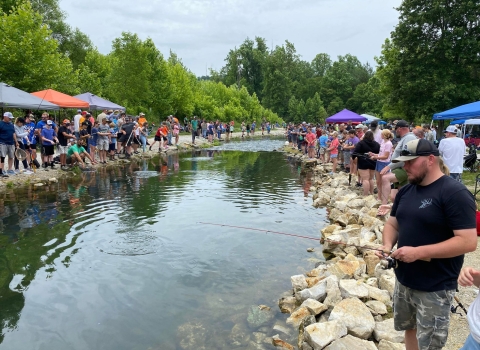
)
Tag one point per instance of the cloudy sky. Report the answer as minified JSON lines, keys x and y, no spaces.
{"x":202,"y":32}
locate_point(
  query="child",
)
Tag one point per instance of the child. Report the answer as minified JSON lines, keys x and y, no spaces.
{"x":49,"y":138}
{"x":113,"y":141}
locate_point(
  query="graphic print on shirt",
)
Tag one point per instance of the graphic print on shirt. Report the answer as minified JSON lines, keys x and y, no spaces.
{"x":426,"y":203}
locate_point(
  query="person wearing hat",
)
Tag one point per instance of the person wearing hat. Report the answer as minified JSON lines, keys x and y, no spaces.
{"x":31,"y":141}
{"x":21,"y":135}
{"x":8,"y":142}
{"x":433,"y":224}
{"x":49,"y":138}
{"x":102,"y":116}
{"x":394,"y":172}
{"x":459,"y":131}
{"x":76,"y":123}
{"x":452,"y":149}
{"x":64,"y":136}
{"x":141,"y":118}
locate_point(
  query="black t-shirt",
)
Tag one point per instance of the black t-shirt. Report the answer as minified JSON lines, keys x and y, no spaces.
{"x":84,"y":132}
{"x":428,"y":215}
{"x":128,"y":128}
{"x":62,"y":140}
{"x":363,"y":147}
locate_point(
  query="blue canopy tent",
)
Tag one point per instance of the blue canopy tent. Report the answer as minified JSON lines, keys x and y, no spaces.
{"x":98,"y":103}
{"x":468,"y":111}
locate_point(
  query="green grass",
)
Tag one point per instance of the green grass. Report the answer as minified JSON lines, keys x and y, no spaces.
{"x":10,"y":184}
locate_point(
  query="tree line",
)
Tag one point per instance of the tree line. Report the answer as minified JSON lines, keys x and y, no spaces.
{"x":430,"y":63}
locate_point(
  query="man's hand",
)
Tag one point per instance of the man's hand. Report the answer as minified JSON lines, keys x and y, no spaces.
{"x":468,"y":277}
{"x":405,"y":254}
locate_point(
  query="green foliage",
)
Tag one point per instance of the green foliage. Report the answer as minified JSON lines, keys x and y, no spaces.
{"x":431,"y":62}
{"x":30,"y":57}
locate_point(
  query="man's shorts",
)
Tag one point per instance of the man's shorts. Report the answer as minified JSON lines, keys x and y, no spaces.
{"x":428,"y":312}
{"x":102,"y":145}
{"x":323,"y":150}
{"x":7,"y":150}
{"x":456,"y":176}
{"x":401,"y":176}
{"x":62,"y":149}
{"x":346,"y":157}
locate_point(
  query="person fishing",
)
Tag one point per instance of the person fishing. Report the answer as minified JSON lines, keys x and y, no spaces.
{"x":433,"y":224}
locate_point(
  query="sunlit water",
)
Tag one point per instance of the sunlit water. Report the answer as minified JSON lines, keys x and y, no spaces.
{"x":118,"y":259}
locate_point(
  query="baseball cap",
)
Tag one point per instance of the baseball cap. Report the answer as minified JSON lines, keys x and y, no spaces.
{"x":49,"y":122}
{"x":110,"y":111}
{"x":401,"y":124}
{"x":84,"y":112}
{"x":8,"y":114}
{"x":141,"y":113}
{"x":359,"y":126}
{"x":79,"y":111}
{"x":451,"y":129}
{"x":416,"y":148}
{"x":66,"y":121}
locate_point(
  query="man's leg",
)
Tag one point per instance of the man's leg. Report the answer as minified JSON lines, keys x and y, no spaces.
{"x":411,"y":342}
{"x":387,"y":180}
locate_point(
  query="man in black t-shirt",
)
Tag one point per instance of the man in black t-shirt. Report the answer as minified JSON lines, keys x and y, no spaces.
{"x":127,"y":137}
{"x":64,"y":136}
{"x":433,"y":224}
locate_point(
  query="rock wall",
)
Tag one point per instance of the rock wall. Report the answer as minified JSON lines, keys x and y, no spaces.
{"x":346,"y":302}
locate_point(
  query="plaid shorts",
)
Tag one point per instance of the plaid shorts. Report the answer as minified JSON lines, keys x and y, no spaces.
{"x":7,"y":150}
{"x":62,"y":149}
{"x":428,"y":312}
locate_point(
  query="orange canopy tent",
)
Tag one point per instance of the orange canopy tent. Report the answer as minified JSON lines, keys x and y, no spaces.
{"x":62,"y":100}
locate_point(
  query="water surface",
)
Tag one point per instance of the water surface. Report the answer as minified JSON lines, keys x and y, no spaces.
{"x":118,"y":260}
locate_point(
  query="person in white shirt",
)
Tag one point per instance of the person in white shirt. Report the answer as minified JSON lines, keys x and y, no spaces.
{"x":471,"y":277}
{"x":452,"y":149}
{"x":76,"y":123}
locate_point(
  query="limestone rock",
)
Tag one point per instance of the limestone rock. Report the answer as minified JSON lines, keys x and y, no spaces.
{"x":373,"y":282}
{"x":192,"y":336}
{"x":376,"y":307}
{"x":333,"y":292}
{"x":367,"y":235}
{"x":379,"y":294}
{"x":39,"y":184}
{"x":287,"y":304}
{"x":356,"y":203}
{"x":52,"y":180}
{"x":371,"y":260}
{"x":258,"y":317}
{"x":306,"y":346}
{"x":384,"y":331}
{"x":239,"y":335}
{"x":317,"y":292}
{"x":315,"y":307}
{"x":298,"y":282}
{"x":342,"y":220}
{"x":353,"y":288}
{"x":297,"y":316}
{"x":327,"y":231}
{"x":349,"y":343}
{"x":371,"y":202}
{"x":334,"y":214}
{"x":356,"y":316}
{"x":319,"y":335}
{"x":344,"y":269}
{"x":387,"y":345}
{"x":387,"y":282}
{"x":319,"y":271}
{"x":280,"y":328}
{"x":281,"y":344}
{"x":311,"y":281}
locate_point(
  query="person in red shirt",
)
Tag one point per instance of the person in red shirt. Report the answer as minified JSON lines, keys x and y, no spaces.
{"x":311,"y":140}
{"x":334,"y":151}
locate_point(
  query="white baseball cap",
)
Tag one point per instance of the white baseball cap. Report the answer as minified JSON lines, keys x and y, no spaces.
{"x":49,"y":122}
{"x":8,"y":114}
{"x":451,"y":129}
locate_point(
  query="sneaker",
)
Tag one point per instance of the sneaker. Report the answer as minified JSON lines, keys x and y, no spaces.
{"x":3,"y":174}
{"x":17,"y":171}
{"x":28,"y":172}
{"x":11,"y":172}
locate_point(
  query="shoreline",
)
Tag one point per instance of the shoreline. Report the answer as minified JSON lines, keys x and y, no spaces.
{"x":43,"y":177}
{"x":353,"y":220}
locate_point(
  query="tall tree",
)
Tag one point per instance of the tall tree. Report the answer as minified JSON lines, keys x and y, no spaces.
{"x":431,"y":62}
{"x":29,"y":55}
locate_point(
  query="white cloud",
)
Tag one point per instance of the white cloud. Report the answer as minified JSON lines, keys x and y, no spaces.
{"x":202,"y":32}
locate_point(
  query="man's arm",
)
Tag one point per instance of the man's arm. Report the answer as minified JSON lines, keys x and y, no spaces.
{"x":463,"y":241}
{"x":390,"y":233}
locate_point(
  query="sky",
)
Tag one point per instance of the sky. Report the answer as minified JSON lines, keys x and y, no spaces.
{"x":202,"y":32}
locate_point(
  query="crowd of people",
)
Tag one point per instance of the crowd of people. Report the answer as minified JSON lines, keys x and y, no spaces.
{"x":366,"y":151}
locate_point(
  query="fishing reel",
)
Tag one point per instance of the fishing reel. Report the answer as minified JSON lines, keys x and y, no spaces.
{"x":389,"y":263}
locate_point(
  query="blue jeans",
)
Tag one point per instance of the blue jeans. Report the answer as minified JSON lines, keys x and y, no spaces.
{"x":456,"y":176}
{"x":169,"y":138}
{"x":470,"y":344}
{"x":143,"y":140}
{"x":204,"y":133}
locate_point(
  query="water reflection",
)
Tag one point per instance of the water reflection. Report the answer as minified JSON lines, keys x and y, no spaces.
{"x":117,"y":260}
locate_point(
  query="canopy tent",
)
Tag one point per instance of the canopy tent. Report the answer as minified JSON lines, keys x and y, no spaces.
{"x":467,"y":111}
{"x":472,"y":122}
{"x":345,"y":116}
{"x":11,"y":97}
{"x":60,"y":99}
{"x":98,"y":103}
{"x":370,"y":118}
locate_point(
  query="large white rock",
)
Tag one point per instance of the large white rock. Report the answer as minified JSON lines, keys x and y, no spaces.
{"x":298,"y":282}
{"x":317,"y":292}
{"x":373,"y":282}
{"x":356,"y":203}
{"x":387,"y":282}
{"x":355,"y":315}
{"x":319,"y":335}
{"x":315,"y":307}
{"x":353,"y":288}
{"x":351,"y":343}
{"x":297,"y":316}
{"x":385,"y":331}
{"x":379,"y":294}
{"x":334,"y":295}
{"x":287,"y":304}
{"x":376,"y":307}
{"x":386,"y":345}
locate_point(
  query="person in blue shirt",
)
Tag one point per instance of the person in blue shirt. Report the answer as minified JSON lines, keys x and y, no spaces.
{"x":31,"y":145}
{"x":322,"y":140}
{"x":49,"y":138}
{"x":8,"y":141}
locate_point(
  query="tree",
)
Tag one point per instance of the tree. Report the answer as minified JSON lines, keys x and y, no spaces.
{"x":431,"y":62}
{"x":335,"y":106}
{"x":321,"y":64}
{"x":30,"y":57}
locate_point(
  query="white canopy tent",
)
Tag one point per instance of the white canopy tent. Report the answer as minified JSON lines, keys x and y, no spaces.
{"x":370,"y":118}
{"x":469,"y":122}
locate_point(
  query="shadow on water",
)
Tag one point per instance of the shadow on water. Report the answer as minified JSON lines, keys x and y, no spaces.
{"x":117,"y":260}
